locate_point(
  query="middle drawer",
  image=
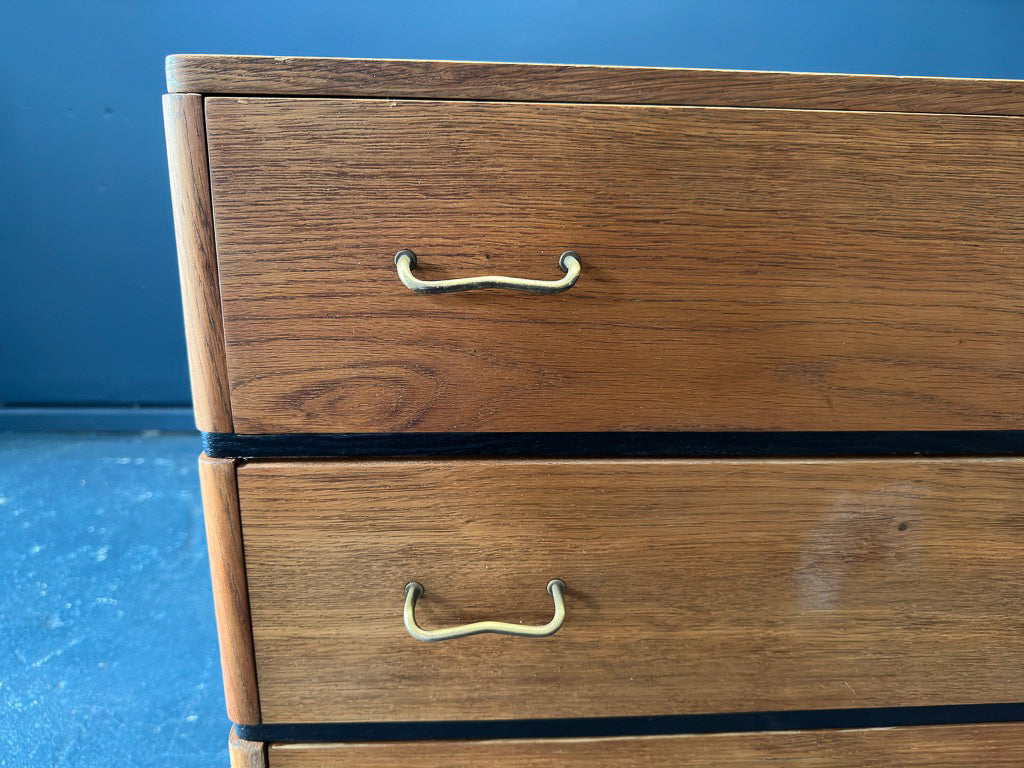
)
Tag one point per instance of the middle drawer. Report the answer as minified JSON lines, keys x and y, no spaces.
{"x":692,"y":585}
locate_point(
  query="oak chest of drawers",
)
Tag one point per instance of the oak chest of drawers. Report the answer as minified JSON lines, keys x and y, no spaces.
{"x":679,"y":409}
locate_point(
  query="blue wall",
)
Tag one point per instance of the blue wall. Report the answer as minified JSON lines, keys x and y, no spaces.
{"x":89,"y":309}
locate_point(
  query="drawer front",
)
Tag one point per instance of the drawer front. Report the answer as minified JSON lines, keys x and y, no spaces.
{"x":741,"y":268}
{"x":946,"y":746}
{"x":692,"y":586}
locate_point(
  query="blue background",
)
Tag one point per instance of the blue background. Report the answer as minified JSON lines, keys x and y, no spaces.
{"x":89,"y":306}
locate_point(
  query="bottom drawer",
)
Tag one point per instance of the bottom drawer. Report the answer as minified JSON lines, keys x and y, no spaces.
{"x":692,"y":586}
{"x":953,"y":746}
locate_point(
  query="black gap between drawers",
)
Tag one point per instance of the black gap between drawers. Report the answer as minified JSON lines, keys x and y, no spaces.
{"x":816,"y":719}
{"x":617,"y":444}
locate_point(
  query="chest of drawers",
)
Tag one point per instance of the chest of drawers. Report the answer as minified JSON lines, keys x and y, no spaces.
{"x":727,"y":471}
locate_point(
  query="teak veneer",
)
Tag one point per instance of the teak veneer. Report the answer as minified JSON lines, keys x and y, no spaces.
{"x":743,"y":269}
{"x":692,"y":586}
{"x":486,"y":81}
{"x":762,"y":252}
{"x":957,"y":746}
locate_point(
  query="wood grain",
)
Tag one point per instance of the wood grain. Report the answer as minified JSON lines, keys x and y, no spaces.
{"x":230,"y":591}
{"x":479,"y":81}
{"x":185,"y":129}
{"x":693,"y":586}
{"x":954,"y":746}
{"x":246,"y":754}
{"x":743,"y":269}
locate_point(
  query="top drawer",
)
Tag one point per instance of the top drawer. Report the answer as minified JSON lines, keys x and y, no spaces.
{"x":742,"y":269}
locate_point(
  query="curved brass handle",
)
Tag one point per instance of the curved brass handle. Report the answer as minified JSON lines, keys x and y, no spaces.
{"x":413,"y":591}
{"x":569,"y":261}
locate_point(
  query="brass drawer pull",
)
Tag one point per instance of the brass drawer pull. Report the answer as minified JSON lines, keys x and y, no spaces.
{"x":413,"y":591}
{"x":568,"y":261}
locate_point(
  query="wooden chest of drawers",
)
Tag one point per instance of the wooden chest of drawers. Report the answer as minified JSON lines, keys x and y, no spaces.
{"x":741,"y":458}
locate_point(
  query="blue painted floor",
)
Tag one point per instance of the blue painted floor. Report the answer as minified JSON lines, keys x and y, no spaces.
{"x":108,"y":650}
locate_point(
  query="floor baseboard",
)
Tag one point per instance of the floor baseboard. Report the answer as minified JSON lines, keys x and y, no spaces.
{"x":124,"y":419}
